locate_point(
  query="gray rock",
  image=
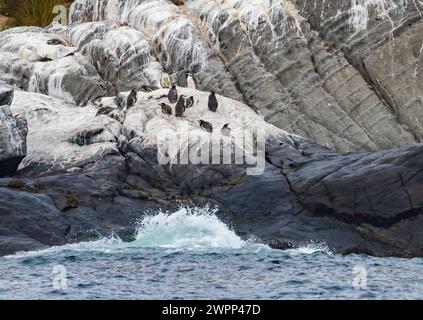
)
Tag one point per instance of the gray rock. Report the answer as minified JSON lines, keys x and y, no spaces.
{"x":329,"y":73}
{"x":6,"y":94}
{"x":13,"y":132}
{"x":30,"y":63}
{"x":353,"y":203}
{"x":341,"y":76}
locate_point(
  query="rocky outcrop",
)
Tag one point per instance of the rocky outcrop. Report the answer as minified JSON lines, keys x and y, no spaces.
{"x":38,"y":61}
{"x":314,"y":68}
{"x":354,"y":203}
{"x":341,"y":76}
{"x":332,"y":73}
{"x":13,"y":131}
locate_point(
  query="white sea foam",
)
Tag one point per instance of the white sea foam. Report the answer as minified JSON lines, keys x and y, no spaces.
{"x":311,"y":248}
{"x":187,"y":228}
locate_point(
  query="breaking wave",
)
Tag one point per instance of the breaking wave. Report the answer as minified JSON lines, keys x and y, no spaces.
{"x":187,"y":229}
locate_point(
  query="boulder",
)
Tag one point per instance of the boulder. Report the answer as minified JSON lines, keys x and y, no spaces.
{"x":13,"y":132}
{"x":352,"y":203}
{"x":36,"y":60}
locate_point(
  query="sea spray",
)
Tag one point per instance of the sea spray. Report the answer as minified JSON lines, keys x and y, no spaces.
{"x":187,"y":228}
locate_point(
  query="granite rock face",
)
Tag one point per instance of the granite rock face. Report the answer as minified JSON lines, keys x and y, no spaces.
{"x":321,"y":78}
{"x":13,"y":132}
{"x":345,"y":74}
{"x":353,"y":203}
{"x":32,"y":62}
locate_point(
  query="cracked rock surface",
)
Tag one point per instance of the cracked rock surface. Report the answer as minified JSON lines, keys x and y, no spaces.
{"x":336,"y":86}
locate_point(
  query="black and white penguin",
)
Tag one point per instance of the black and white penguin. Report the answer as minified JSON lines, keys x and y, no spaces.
{"x":132,"y":99}
{"x":180,"y":107}
{"x":45,"y":59}
{"x":55,"y":42}
{"x":173,"y":94}
{"x":104,"y":111}
{"x":226,"y":131}
{"x":149,"y":88}
{"x":166,"y":109}
{"x":189,"y":102}
{"x":206,"y":126}
{"x":213,"y":104}
{"x":191,"y":84}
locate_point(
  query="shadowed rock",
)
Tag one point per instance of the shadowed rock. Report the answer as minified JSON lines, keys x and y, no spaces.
{"x":13,"y":132}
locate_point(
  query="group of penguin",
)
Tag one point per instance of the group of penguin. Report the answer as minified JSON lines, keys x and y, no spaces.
{"x":183,"y":103}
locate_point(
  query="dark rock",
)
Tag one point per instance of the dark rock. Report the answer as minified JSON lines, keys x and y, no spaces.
{"x":6,"y":94}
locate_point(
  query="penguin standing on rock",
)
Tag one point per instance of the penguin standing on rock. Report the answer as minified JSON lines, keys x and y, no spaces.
{"x":191,"y":81}
{"x":189,"y":102}
{"x":149,"y":88}
{"x":104,"y":111}
{"x":132,"y":99}
{"x":166,"y":109}
{"x":178,"y":2}
{"x":213,"y":104}
{"x":206,"y":126}
{"x":180,"y":107}
{"x":173,"y":94}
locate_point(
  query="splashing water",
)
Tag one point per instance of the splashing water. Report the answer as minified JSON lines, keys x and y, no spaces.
{"x":187,"y":229}
{"x":191,"y":254}
{"x":311,"y":248}
{"x":195,"y":229}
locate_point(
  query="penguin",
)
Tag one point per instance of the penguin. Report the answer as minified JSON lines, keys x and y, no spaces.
{"x":190,"y":81}
{"x":149,"y":88}
{"x":178,"y":2}
{"x":173,"y":94}
{"x":104,"y":111}
{"x":55,"y":42}
{"x":180,"y":107}
{"x":206,"y":126}
{"x":226,"y":131}
{"x":213,"y":104}
{"x":166,"y":109}
{"x":132,"y":99}
{"x":6,"y":98}
{"x":189,"y":102}
{"x":45,"y":59}
{"x":165,"y":80}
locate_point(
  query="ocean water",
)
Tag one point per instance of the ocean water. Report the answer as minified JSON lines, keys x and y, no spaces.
{"x":191,"y":254}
